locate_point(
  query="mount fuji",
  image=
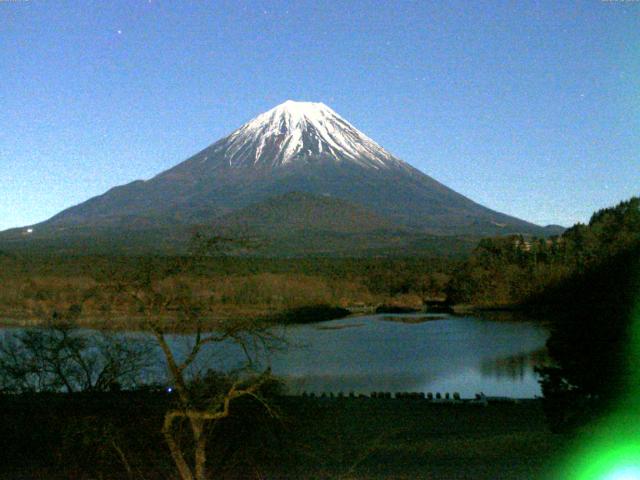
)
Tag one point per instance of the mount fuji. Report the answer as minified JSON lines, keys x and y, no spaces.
{"x":296,"y":173}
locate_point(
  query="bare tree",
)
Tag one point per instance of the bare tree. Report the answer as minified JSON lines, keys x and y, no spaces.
{"x":178,"y":310}
{"x":199,"y":410}
{"x":60,"y":357}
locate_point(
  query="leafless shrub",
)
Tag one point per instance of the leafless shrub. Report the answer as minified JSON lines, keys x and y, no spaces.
{"x":60,"y":357}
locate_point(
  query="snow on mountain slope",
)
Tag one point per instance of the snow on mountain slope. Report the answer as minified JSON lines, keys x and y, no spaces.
{"x":296,"y":131}
{"x":299,"y":147}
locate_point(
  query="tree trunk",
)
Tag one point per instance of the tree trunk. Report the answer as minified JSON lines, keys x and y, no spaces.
{"x":200,"y":440}
{"x":176,"y":453}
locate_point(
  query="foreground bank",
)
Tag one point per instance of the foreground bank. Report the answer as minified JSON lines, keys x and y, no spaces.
{"x":117,"y":435}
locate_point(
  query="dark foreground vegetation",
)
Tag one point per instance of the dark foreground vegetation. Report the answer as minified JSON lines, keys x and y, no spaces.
{"x":116,"y":436}
{"x":591,"y":341}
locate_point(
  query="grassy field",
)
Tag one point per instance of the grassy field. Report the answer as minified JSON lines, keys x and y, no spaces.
{"x":378,"y":438}
{"x":75,"y":437}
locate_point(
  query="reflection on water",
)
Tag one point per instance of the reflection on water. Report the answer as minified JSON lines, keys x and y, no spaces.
{"x":462,"y":354}
{"x":514,"y":367}
{"x":414,"y":353}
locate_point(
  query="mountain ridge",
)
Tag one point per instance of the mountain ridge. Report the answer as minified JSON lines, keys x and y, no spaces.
{"x":299,"y":147}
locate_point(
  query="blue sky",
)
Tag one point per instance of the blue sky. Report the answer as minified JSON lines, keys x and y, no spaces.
{"x":531,"y":108}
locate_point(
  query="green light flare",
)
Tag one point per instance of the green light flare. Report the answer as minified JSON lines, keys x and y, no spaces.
{"x":615,"y":459}
{"x":625,"y":473}
{"x":612,"y":452}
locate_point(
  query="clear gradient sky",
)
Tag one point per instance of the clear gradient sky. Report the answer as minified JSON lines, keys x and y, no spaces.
{"x":529,"y":107}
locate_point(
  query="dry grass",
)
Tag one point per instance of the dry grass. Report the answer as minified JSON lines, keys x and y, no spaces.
{"x":31,"y":298}
{"x":32,"y":286}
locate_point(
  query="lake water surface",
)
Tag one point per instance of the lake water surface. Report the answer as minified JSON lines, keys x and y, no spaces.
{"x":452,"y":354}
{"x":394,"y":353}
{"x":405,"y":353}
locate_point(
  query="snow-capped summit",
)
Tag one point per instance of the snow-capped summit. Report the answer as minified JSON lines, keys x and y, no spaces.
{"x":297,"y":167}
{"x":301,"y":132}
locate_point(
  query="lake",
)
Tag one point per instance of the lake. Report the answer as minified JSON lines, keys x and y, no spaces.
{"x":398,"y":353}
{"x":405,"y":353}
{"x":381,"y":353}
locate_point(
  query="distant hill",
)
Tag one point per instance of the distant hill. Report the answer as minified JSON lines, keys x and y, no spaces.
{"x":298,"y":223}
{"x":552,"y":230}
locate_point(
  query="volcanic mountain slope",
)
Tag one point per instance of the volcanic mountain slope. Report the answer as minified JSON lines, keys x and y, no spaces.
{"x":296,"y":211}
{"x":295,"y":147}
{"x":296,"y":224}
